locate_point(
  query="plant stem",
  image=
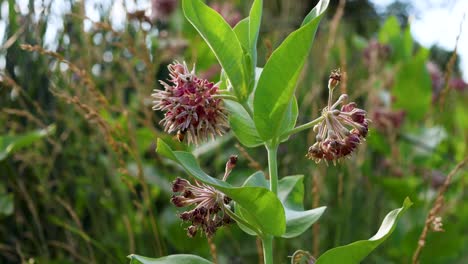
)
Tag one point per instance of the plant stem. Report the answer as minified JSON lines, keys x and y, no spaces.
{"x":247,"y":108}
{"x":267,"y":243}
{"x":273,"y":167}
{"x":226,"y":97}
{"x":303,"y":127}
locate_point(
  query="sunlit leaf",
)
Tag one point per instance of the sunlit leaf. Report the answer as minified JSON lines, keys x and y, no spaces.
{"x":222,"y":40}
{"x":291,"y":194}
{"x":171,"y":259}
{"x":10,"y":144}
{"x":278,"y":81}
{"x":355,"y":252}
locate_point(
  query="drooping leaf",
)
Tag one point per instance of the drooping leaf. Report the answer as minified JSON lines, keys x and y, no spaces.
{"x":262,"y":205}
{"x":291,"y":194}
{"x":277,"y":83}
{"x":171,"y":259}
{"x":355,"y":252}
{"x":10,"y":144}
{"x":222,"y":40}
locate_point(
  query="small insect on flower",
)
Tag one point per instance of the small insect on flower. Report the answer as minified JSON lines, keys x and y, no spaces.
{"x":340,"y":131}
{"x":190,"y":106}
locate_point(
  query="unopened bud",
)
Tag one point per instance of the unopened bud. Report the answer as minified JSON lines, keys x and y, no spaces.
{"x":230,"y":164}
{"x":179,"y":185}
{"x":335,"y":78}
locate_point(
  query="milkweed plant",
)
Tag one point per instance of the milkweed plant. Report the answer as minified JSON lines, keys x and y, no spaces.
{"x":258,"y":105}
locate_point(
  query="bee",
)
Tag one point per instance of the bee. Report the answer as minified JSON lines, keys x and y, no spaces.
{"x":180,"y":135}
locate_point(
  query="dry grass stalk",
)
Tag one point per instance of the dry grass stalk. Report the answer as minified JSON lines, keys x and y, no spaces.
{"x":212,"y":249}
{"x":435,"y":210}
{"x":449,"y":66}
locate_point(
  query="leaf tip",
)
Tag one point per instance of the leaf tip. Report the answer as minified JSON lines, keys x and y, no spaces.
{"x":407,"y":203}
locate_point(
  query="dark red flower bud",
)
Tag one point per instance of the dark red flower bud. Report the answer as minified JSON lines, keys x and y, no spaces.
{"x":179,"y":185}
{"x":192,"y":231}
{"x":179,"y":201}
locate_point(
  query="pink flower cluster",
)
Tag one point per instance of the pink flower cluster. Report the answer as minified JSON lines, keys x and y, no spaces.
{"x":190,"y":105}
{"x":340,"y":131}
{"x":209,"y":212}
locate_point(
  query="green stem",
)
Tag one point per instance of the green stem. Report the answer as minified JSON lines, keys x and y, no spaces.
{"x":226,"y":97}
{"x":267,"y":243}
{"x":273,"y":167}
{"x":247,"y":108}
{"x":303,"y":127}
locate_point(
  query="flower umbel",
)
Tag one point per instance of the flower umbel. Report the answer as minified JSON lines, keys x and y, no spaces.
{"x":340,"y":131}
{"x":210,"y":205}
{"x":190,"y":105}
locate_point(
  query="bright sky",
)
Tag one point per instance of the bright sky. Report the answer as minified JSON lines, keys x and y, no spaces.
{"x":438,"y":22}
{"x":432,"y":21}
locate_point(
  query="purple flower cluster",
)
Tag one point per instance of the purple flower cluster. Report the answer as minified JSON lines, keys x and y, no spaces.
{"x":190,"y":105}
{"x":210,"y":205}
{"x":340,"y":131}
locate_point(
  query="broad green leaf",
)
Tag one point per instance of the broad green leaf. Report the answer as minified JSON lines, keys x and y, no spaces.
{"x":171,"y":259}
{"x":290,"y":118}
{"x":242,"y":125}
{"x":412,"y":88}
{"x":355,"y":252}
{"x":255,"y":180}
{"x":242,"y":32}
{"x":390,"y":30}
{"x":262,"y":205}
{"x":400,"y":40}
{"x":222,"y":40}
{"x":10,"y":144}
{"x":291,"y":194}
{"x":407,"y":44}
{"x":277,"y":83}
{"x":255,"y":19}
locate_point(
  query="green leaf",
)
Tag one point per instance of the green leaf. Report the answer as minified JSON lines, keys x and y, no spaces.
{"x":222,"y":40}
{"x":355,"y":252}
{"x":6,"y":203}
{"x":412,"y":88}
{"x":10,"y":144}
{"x":291,"y":194}
{"x":277,"y":83}
{"x":390,"y":31}
{"x":264,"y":208}
{"x":290,"y":118}
{"x":242,"y":125}
{"x":171,"y":259}
{"x":242,"y":32}
{"x":255,"y":19}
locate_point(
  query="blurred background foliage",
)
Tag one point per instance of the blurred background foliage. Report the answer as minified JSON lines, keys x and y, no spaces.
{"x":81,"y":182}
